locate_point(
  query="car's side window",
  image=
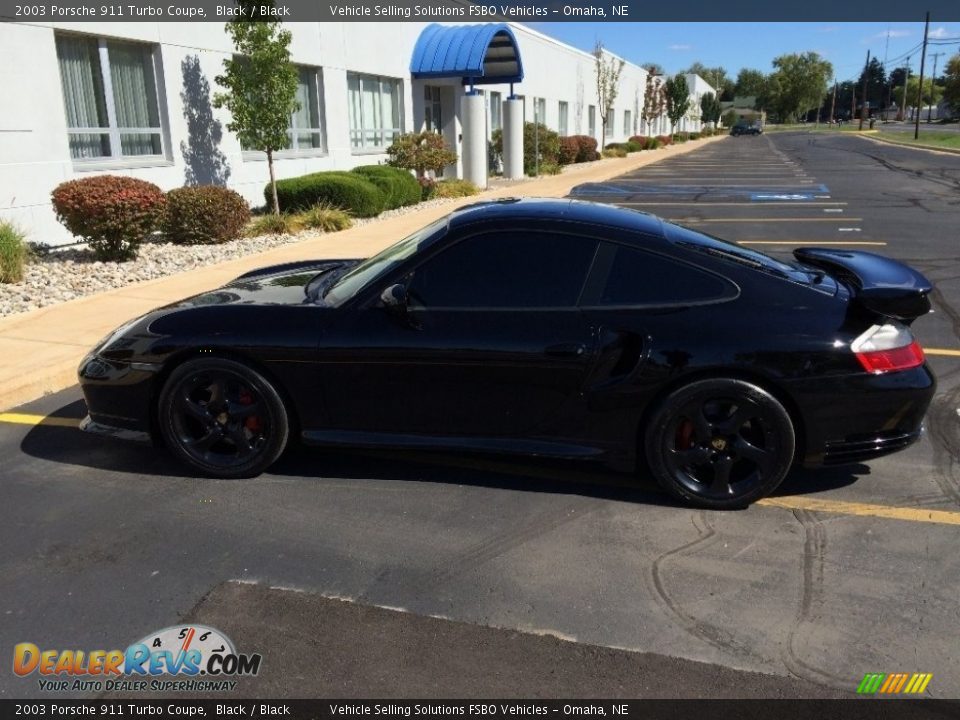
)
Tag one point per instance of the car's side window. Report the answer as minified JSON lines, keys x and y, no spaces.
{"x":642,"y":278}
{"x":509,"y":269}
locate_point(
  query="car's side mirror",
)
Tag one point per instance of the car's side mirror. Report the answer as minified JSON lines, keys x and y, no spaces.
{"x":395,"y":298}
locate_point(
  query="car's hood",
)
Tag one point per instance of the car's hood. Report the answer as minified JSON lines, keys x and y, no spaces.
{"x":275,"y":285}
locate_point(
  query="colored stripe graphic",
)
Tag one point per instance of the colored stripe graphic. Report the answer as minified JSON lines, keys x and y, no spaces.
{"x":894,"y":683}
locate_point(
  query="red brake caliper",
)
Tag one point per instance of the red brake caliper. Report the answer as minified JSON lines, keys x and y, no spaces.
{"x":684,"y":439}
{"x":252,"y":423}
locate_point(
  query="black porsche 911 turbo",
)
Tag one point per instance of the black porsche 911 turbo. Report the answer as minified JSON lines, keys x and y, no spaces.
{"x":551,"y":328}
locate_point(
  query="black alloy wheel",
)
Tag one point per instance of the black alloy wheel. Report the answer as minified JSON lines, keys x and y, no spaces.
{"x":222,"y":418}
{"x":720,"y":443}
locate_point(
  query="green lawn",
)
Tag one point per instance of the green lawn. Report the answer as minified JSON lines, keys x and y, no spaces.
{"x":946,"y":140}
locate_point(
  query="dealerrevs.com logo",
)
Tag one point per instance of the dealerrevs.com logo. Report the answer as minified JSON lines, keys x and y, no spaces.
{"x":180,"y":658}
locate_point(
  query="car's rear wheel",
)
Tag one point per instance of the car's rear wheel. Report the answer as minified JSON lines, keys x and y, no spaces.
{"x":720,"y":443}
{"x":223,"y":418}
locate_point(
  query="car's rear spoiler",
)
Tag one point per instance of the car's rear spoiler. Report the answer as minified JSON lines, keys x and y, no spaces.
{"x":879,"y":284}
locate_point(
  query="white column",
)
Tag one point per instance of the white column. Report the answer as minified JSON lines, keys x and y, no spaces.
{"x":474,"y":146}
{"x":513,"y":138}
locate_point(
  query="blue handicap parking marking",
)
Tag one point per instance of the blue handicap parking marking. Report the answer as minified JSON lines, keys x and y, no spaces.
{"x":781,"y":196}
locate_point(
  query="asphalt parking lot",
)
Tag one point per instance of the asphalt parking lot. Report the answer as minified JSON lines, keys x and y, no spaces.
{"x":365,"y":574}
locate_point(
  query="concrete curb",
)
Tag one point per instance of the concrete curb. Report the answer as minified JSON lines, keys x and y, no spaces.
{"x":929,"y":148}
{"x":40,"y":350}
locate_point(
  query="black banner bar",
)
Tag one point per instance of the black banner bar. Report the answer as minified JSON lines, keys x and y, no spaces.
{"x":480,"y":11}
{"x":854,"y":709}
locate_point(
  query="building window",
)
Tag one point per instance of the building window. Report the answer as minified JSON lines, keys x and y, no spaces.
{"x":564,"y":111}
{"x":306,"y":130}
{"x":110,"y":97}
{"x":627,"y":127}
{"x":592,"y":120}
{"x":375,"y":115}
{"x":496,"y":111}
{"x":432,"y":113}
{"x":540,"y":111}
{"x":611,"y":123}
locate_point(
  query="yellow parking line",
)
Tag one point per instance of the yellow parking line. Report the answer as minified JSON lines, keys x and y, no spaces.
{"x":24,"y":419}
{"x":839,"y":507}
{"x":809,"y":242}
{"x":838,"y":219}
{"x":941,"y":351}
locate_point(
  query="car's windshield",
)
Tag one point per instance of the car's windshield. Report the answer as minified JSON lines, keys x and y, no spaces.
{"x":374,"y":267}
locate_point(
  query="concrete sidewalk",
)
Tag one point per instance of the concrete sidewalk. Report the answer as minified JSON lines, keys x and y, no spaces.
{"x":40,"y":350}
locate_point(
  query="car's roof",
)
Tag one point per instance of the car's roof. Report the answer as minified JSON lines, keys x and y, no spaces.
{"x":557,"y":209}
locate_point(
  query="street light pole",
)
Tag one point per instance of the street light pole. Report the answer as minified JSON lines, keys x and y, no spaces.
{"x":923,"y":58}
{"x":863,"y":99}
{"x":933,"y":84}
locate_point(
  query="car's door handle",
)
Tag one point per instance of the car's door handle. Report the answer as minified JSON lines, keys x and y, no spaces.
{"x":566,"y":350}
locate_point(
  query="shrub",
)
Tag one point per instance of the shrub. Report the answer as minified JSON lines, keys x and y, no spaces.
{"x":638,"y":140}
{"x":325,"y":218}
{"x":652,"y":143}
{"x":615,"y":152}
{"x":681,"y":137}
{"x":454,"y":188}
{"x":204,"y":214}
{"x":569,"y":149}
{"x":633,"y":146}
{"x":665,"y":139}
{"x":421,"y":152}
{"x":586,"y":148}
{"x":427,"y":187}
{"x":348,"y":191}
{"x":112,"y":213}
{"x":13,"y":253}
{"x":694,"y":136}
{"x":399,"y":186}
{"x":551,"y":169}
{"x":271,"y":224}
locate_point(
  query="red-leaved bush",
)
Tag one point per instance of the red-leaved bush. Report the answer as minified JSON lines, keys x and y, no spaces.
{"x":112,"y":213}
{"x":204,"y":214}
{"x":569,"y":149}
{"x":665,"y":139}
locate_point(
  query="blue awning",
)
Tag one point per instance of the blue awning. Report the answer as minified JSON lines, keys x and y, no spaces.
{"x":480,"y":54}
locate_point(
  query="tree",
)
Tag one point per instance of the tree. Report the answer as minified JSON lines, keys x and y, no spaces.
{"x":931,"y":95}
{"x":710,"y":108}
{"x":654,"y":102}
{"x":800,"y":82}
{"x":260,"y":86}
{"x":608,"y":82}
{"x":653,"y":68}
{"x":421,"y":152}
{"x":951,"y":89}
{"x":876,"y":77}
{"x":678,"y":99}
{"x":750,"y":83}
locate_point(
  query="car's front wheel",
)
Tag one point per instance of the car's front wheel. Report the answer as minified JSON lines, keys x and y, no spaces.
{"x":720,"y":443}
{"x":222,"y":417}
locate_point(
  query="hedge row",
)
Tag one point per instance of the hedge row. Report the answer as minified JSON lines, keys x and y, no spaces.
{"x":363,"y":192}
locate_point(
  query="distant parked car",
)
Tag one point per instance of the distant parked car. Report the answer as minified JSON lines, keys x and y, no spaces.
{"x":745,"y":128}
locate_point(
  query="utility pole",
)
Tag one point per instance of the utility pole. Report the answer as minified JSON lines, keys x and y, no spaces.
{"x":901,"y":112}
{"x":863,"y":99}
{"x":833,"y":102}
{"x":933,"y":83}
{"x":923,"y":58}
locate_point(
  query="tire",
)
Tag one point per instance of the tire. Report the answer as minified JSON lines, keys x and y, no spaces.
{"x":720,"y":443}
{"x":222,"y":418}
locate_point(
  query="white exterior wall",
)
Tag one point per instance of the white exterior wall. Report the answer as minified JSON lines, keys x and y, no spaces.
{"x":34,"y":149}
{"x":698,"y":87}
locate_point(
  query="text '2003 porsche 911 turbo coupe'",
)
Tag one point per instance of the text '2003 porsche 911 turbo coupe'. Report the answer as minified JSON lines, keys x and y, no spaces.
{"x":550,"y":328}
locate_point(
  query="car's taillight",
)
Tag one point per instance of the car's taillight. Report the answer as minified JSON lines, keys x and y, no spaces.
{"x":885,"y":348}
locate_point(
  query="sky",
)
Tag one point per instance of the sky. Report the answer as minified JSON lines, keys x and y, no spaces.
{"x":674,"y":46}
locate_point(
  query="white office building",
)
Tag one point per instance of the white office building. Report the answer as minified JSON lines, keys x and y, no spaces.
{"x":135,"y":99}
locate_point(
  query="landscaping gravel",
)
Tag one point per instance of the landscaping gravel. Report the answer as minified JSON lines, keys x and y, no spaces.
{"x":63,"y":275}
